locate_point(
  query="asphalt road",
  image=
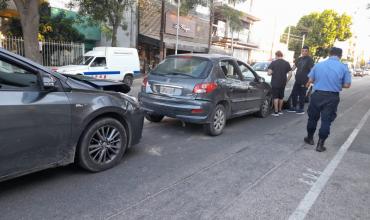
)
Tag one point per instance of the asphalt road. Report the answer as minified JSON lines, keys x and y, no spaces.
{"x":258,"y":169}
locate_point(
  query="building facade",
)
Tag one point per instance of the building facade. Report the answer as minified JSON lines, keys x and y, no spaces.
{"x":192,"y":37}
{"x":240,"y":44}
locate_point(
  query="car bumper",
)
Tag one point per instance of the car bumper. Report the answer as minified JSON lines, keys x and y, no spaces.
{"x":177,"y":108}
{"x":136,"y":118}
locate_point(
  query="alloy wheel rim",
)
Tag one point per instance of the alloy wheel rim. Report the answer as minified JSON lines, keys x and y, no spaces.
{"x":219,"y":120}
{"x":105,"y":144}
{"x":265,"y":106}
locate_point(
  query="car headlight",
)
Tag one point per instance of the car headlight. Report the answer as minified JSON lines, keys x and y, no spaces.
{"x":129,"y":102}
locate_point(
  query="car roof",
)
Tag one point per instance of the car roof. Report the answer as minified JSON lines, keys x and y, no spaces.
{"x":214,"y":57}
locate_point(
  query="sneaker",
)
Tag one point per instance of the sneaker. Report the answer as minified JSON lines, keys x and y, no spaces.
{"x":280,"y":113}
{"x":275,"y":114}
{"x":300,"y":112}
{"x":291,"y":110}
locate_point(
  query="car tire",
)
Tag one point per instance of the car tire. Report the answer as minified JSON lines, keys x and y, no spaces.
{"x":154,"y":118}
{"x":129,"y":80}
{"x":102,"y":145}
{"x":265,"y":107}
{"x":218,"y":121}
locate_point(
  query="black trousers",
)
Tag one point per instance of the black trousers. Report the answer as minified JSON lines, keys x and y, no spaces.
{"x":298,"y":94}
{"x":323,"y":104}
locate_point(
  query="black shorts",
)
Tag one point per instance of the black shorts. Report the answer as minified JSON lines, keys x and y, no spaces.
{"x":278,"y":93}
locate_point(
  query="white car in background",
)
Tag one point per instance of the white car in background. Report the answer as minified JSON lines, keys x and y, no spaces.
{"x":114,"y":63}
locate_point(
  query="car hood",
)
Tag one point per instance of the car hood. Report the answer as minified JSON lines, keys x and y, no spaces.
{"x":100,"y":84}
{"x":71,"y":69}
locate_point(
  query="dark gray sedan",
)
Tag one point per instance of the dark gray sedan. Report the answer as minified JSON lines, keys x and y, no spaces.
{"x":205,"y":89}
{"x":49,"y":120}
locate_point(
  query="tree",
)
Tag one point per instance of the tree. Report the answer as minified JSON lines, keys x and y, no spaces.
{"x":29,"y":18}
{"x":107,"y":13}
{"x":321,"y":30}
{"x":57,"y":28}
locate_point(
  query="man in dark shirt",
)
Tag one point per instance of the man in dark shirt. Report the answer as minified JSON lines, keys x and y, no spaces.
{"x":278,"y":70}
{"x":303,"y":65}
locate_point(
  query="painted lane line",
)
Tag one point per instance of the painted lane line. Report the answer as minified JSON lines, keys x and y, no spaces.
{"x":310,"y":198}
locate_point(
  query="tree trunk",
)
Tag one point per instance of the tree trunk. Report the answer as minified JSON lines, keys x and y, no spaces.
{"x":30,"y":21}
{"x":211,"y":20}
{"x":114,"y":35}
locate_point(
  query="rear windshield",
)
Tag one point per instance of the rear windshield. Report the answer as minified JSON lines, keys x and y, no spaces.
{"x":192,"y":67}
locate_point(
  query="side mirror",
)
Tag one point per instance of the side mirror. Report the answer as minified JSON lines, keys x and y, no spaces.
{"x":48,"y":82}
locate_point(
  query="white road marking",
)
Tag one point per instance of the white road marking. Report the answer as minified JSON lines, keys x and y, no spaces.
{"x":310,"y":198}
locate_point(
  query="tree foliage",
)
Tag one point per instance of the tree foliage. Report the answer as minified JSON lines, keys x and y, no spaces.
{"x":57,"y":28}
{"x":233,"y":18}
{"x":107,"y":13}
{"x":321,"y":30}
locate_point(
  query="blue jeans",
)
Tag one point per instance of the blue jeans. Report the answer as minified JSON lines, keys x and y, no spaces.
{"x":298,"y":94}
{"x":324,"y":105}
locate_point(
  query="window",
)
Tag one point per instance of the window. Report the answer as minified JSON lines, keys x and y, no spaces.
{"x":246,"y":72}
{"x":83,"y":60}
{"x":15,"y":78}
{"x":99,"y":62}
{"x":229,"y":69}
{"x":183,"y":66}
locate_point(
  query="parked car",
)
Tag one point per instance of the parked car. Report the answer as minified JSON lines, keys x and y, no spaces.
{"x":262,"y":67}
{"x":49,"y":120}
{"x":115,"y":63}
{"x":204,"y":89}
{"x":358,"y":72}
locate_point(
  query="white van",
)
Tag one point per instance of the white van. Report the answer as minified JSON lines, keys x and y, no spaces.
{"x":114,"y":63}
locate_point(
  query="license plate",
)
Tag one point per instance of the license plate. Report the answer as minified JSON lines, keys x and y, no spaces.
{"x":169,"y":90}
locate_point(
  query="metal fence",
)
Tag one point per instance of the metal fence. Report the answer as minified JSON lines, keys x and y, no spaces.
{"x":54,"y":53}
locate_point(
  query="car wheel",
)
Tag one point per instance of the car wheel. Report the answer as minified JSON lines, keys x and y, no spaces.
{"x":218,"y":122}
{"x":129,"y":80}
{"x":265,"y":108}
{"x":102,"y":145}
{"x":154,"y":117}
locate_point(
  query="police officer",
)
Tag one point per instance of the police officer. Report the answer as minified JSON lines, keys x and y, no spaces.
{"x":329,"y":77}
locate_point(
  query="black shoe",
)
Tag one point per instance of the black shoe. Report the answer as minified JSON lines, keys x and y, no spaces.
{"x":309,"y":140}
{"x":320,"y":145}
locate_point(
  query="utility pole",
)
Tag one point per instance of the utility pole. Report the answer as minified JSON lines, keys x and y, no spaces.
{"x":303,"y":39}
{"x":273,"y":38}
{"x":211,"y":19}
{"x":161,"y":33}
{"x":288,"y":38}
{"x":178,"y":25}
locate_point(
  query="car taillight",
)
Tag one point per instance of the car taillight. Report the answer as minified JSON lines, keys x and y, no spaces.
{"x":145,"y":82}
{"x":204,"y":88}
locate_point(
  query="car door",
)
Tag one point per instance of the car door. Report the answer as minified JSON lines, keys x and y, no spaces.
{"x":98,"y":68}
{"x":237,"y":89}
{"x":255,"y":87}
{"x":34,"y":122}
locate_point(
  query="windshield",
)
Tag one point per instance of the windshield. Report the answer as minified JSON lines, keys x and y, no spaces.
{"x":261,"y":66}
{"x":83,"y":60}
{"x":185,"y":66}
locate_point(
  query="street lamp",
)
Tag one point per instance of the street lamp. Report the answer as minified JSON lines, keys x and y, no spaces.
{"x":178,"y":25}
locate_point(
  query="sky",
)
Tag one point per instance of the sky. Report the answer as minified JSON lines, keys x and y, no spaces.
{"x":276,"y":15}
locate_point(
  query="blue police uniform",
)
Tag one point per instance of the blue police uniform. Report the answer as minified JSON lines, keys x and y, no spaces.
{"x":328,"y":77}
